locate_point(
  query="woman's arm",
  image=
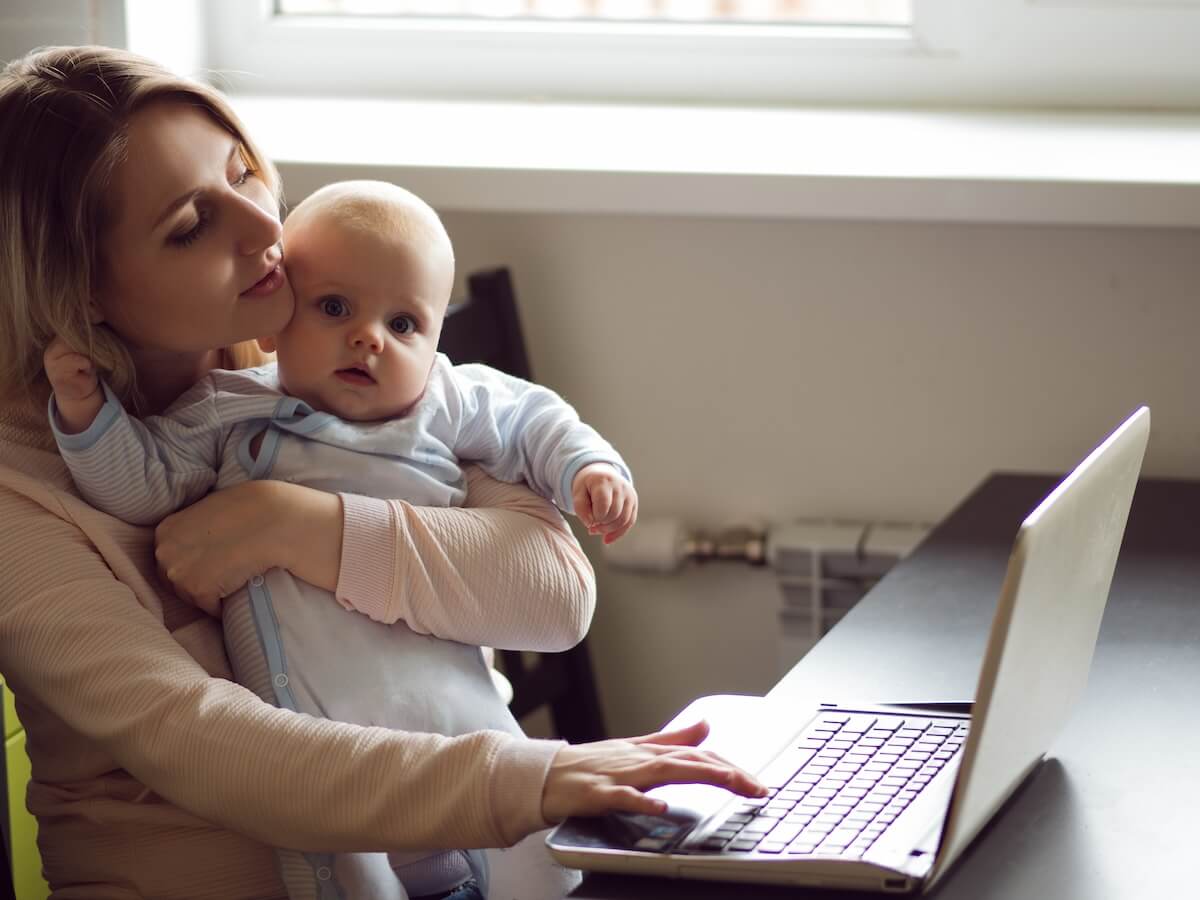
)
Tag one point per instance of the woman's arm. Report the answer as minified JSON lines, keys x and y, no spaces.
{"x":77,"y":642}
{"x":505,"y":572}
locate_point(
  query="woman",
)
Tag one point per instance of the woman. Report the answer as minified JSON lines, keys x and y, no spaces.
{"x":154,"y":775}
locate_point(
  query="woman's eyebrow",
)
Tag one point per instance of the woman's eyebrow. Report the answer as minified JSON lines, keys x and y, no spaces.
{"x":187,"y":198}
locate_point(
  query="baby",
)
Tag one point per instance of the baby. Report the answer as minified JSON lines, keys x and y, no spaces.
{"x":360,"y":401}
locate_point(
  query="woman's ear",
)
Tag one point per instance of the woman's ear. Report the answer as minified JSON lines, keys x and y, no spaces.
{"x":95,"y":313}
{"x":266,"y":344}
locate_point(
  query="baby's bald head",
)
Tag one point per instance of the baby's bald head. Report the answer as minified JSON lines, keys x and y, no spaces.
{"x":375,"y":208}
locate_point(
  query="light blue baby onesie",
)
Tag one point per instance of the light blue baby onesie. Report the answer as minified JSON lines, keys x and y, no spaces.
{"x":292,"y":642}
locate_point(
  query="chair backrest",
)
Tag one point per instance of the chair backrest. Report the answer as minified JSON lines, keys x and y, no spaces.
{"x":485,"y":327}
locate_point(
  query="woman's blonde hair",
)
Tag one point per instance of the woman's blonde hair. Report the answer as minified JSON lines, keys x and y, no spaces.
{"x":63,"y":116}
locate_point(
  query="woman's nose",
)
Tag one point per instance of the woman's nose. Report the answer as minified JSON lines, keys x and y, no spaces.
{"x":259,"y":228}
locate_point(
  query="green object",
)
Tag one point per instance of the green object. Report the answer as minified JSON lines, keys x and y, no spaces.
{"x":28,"y":883}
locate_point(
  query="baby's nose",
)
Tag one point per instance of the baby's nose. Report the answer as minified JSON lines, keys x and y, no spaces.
{"x":367,"y":336}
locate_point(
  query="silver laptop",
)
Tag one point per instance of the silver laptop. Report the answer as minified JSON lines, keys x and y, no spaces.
{"x":886,"y":798}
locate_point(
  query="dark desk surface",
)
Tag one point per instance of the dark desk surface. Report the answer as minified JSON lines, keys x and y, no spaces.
{"x":1115,"y":810}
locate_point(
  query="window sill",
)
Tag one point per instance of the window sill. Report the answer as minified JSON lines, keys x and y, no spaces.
{"x":1136,"y":169}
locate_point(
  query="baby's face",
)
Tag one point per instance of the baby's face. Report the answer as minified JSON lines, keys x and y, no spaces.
{"x":369,"y":311}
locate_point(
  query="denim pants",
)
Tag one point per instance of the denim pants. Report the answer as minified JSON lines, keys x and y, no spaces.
{"x":468,"y":890}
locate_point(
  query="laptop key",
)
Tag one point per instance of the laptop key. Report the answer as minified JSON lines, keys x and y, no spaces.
{"x":860,"y":722}
{"x":742,"y":845}
{"x":756,"y":829}
{"x":785,"y":833}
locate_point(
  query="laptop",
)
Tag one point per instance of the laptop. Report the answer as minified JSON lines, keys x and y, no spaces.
{"x":887,"y":797}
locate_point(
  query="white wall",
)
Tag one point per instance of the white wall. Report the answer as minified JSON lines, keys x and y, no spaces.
{"x":781,"y":369}
{"x":25,"y":24}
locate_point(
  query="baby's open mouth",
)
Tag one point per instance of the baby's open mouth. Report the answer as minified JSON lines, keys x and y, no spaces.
{"x":355,"y":375}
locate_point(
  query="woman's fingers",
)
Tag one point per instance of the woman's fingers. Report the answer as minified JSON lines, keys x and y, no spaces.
{"x":689,"y":734}
{"x":630,"y":800}
{"x":592,"y":779}
{"x":692,"y":766}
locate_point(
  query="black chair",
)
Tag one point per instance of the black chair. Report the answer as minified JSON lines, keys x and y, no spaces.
{"x":485,"y":328}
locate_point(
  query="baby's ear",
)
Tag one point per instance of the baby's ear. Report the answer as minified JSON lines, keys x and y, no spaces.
{"x":266,"y":344}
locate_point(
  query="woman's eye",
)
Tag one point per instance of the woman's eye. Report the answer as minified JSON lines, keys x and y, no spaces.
{"x":333,"y":306}
{"x":188,"y":237}
{"x":403,"y":325}
{"x":242,"y":177}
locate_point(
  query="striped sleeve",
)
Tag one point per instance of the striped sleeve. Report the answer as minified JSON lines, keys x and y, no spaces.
{"x":518,"y":431}
{"x":140,"y":471}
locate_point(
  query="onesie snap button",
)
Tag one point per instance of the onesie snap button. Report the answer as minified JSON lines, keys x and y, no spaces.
{"x":323,"y":873}
{"x":281,"y":680}
{"x":257,"y":581}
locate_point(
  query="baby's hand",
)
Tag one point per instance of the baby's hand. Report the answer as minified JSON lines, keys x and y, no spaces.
{"x":604,"y":501}
{"x":76,"y":385}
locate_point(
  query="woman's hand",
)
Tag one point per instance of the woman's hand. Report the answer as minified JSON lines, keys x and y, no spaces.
{"x":610,"y":776}
{"x":213,"y":547}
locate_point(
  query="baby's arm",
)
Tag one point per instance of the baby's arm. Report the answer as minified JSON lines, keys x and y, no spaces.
{"x":521,"y":430}
{"x":138,"y":472}
{"x":76,"y":386}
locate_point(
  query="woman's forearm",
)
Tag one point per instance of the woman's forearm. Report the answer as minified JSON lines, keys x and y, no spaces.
{"x":309,"y":540}
{"x":82,"y":646}
{"x":506,"y":571}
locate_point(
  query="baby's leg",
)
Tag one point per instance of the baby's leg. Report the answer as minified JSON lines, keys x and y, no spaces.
{"x":526,"y":871}
{"x":307,"y":876}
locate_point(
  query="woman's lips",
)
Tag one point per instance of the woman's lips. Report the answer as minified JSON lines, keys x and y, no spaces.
{"x":268,"y":284}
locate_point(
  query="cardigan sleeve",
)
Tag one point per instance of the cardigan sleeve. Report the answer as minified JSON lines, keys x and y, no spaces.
{"x":504,"y":572}
{"x":79,"y":643}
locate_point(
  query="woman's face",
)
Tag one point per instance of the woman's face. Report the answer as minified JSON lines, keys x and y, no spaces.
{"x":193,"y":261}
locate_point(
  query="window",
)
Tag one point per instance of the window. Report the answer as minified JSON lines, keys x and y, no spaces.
{"x":1039,"y":53}
{"x":761,"y":12}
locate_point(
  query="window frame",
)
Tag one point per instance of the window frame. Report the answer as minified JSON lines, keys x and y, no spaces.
{"x":973,"y":53}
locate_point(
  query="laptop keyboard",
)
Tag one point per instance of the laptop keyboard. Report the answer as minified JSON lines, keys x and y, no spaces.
{"x":850,"y":776}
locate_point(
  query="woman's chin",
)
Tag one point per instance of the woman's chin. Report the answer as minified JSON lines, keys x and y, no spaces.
{"x":266,"y":315}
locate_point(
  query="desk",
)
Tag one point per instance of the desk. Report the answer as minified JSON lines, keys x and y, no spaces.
{"x":1113,"y":812}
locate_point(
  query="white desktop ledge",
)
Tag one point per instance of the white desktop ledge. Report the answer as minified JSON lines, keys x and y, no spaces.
{"x":1077,"y":168}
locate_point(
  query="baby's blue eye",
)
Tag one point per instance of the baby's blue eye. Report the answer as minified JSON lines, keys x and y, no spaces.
{"x":403,"y":325}
{"x":333,"y":306}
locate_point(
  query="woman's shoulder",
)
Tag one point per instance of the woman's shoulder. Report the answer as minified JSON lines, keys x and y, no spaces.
{"x":33,"y":470}
{"x":37,"y":483}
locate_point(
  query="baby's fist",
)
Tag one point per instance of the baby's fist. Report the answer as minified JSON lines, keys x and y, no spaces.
{"x":71,"y":374}
{"x":604,"y":501}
